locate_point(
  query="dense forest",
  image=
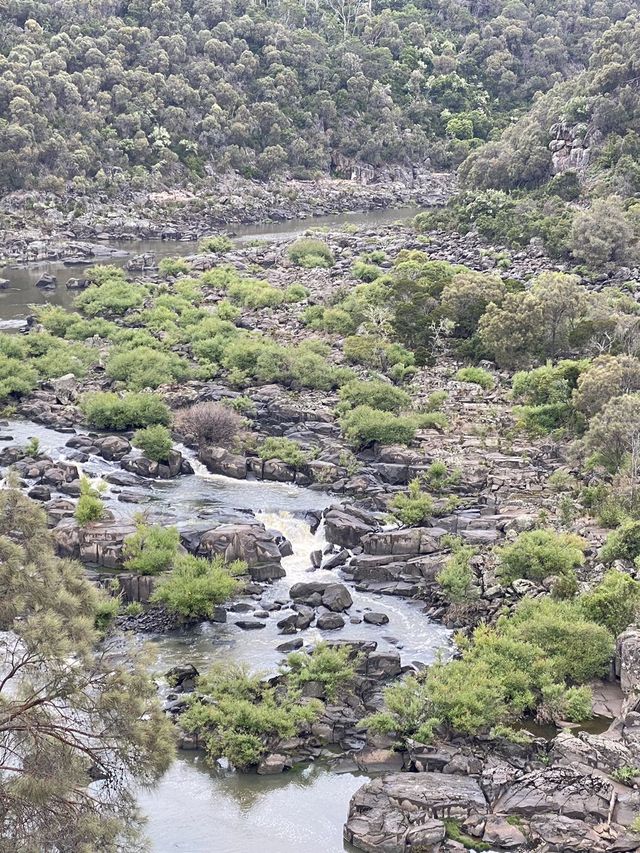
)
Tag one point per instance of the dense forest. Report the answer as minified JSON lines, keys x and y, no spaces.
{"x":179,"y":89}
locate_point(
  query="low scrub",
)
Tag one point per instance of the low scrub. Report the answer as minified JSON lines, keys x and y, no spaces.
{"x":129,"y":411}
{"x":154,"y":441}
{"x":539,"y":554}
{"x":196,"y":585}
{"x":151,"y":549}
{"x":284,"y":449}
{"x":476,"y":376}
{"x":146,"y":368}
{"x":363,"y":425}
{"x":308,"y":252}
{"x":209,"y":424}
{"x":413,"y":507}
{"x":378,"y":395}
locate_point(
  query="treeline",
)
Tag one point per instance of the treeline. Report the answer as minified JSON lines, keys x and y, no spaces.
{"x":99,"y":89}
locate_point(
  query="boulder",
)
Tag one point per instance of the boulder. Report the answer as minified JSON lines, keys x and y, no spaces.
{"x":498,"y":832}
{"x":143,"y":467}
{"x":113,"y":447}
{"x":403,"y":811}
{"x":346,"y":526}
{"x":47,"y":281}
{"x":182,"y":678}
{"x":248,"y":542}
{"x":337,"y":597}
{"x":376,"y":618}
{"x":100,"y":543}
{"x":272,"y":764}
{"x":218,"y":460}
{"x":557,"y":790}
{"x":330,"y":621}
{"x":334,"y":596}
{"x":628,"y":660}
{"x":65,"y":388}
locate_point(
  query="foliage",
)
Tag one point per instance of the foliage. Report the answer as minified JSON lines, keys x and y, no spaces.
{"x":90,"y":506}
{"x":151,"y":549}
{"x":364,"y":425}
{"x":154,"y":441}
{"x":456,"y":579}
{"x":308,"y":252}
{"x":112,"y":411}
{"x":332,"y":667}
{"x":196,"y":585}
{"x":613,"y":602}
{"x":374,"y":352}
{"x":611,"y":431}
{"x":209,"y":423}
{"x":173,"y":267}
{"x":255,"y":293}
{"x":477,"y":376}
{"x":217,"y":244}
{"x":413,"y":507}
{"x":606,"y":377}
{"x":142,"y":367}
{"x":377,"y":394}
{"x":538,"y":554}
{"x":48,"y":619}
{"x":623,"y":543}
{"x":113,"y":295}
{"x":16,"y":377}
{"x":284,"y":449}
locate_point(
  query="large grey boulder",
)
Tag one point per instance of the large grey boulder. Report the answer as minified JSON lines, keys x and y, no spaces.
{"x":334,"y":596}
{"x":404,"y":811}
{"x":628,"y":660}
{"x":99,"y":543}
{"x":346,"y":527}
{"x":218,"y":460}
{"x":248,"y":542}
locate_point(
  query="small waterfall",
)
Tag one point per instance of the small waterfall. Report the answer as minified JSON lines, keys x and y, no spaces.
{"x":303,"y":541}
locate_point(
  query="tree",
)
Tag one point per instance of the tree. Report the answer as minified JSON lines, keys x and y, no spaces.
{"x":512,"y":331}
{"x":606,"y":377}
{"x":562,"y":300}
{"x":614,"y":431}
{"x":465,"y":299}
{"x":602,"y":234}
{"x":78,"y":729}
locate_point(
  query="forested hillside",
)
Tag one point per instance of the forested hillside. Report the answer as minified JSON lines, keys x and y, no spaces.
{"x":185,"y":88}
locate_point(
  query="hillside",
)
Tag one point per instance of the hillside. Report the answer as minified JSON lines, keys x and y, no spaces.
{"x":180,"y":89}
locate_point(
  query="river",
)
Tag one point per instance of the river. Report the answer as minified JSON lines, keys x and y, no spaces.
{"x":194,"y":808}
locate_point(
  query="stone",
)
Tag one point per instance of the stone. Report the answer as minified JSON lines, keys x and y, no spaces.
{"x":218,"y":460}
{"x":272,"y":764}
{"x":65,"y":388}
{"x":249,"y":624}
{"x":346,"y":527}
{"x":386,"y":813}
{"x":372,"y":760}
{"x":337,"y":597}
{"x":47,"y":281}
{"x":113,"y":447}
{"x":627,"y":660}
{"x":290,"y":645}
{"x":330,"y":622}
{"x":557,"y":791}
{"x":248,"y":542}
{"x":376,"y":618}
{"x":40,"y":493}
{"x":499,"y":833}
{"x":182,"y":678}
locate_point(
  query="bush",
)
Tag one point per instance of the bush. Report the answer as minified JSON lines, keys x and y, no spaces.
{"x":209,"y":423}
{"x":196,"y":585}
{"x":16,"y":377}
{"x":112,"y":296}
{"x":254,"y":293}
{"x":378,"y":395}
{"x":110,"y":411}
{"x":240,"y":715}
{"x":151,"y":549}
{"x":456,"y":578}
{"x":365,"y":272}
{"x":623,"y":543}
{"x":308,"y":252}
{"x":295,"y":293}
{"x":538,"y":554}
{"x":364,"y":425}
{"x":613,"y":603}
{"x":332,"y":667}
{"x":476,"y":376}
{"x":331,"y":320}
{"x":146,"y":368}
{"x":154,"y":441}
{"x":375,"y":352}
{"x":217,"y":244}
{"x":577,"y":649}
{"x":172,"y":267}
{"x":284,"y":449}
{"x":90,"y":506}
{"x":413,"y":507}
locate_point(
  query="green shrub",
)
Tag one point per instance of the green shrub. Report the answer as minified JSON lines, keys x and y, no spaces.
{"x":431,"y":420}
{"x":172,"y":267}
{"x":237,"y":716}
{"x":373,"y":351}
{"x":16,"y":377}
{"x":476,"y":376}
{"x":378,"y":395}
{"x":577,"y":649}
{"x":90,"y":506}
{"x":413,"y":507}
{"x":111,"y":411}
{"x":364,"y":425}
{"x":331,"y":320}
{"x":254,"y":293}
{"x":539,"y":420}
{"x":308,"y":252}
{"x":365,"y":272}
{"x":154,"y":441}
{"x":196,"y":585}
{"x":112,"y":296}
{"x":151,"y":549}
{"x":106,"y":610}
{"x":217,"y":244}
{"x":613,"y":602}
{"x":332,"y":667}
{"x":295,"y":293}
{"x":146,"y":368}
{"x":284,"y":449}
{"x":538,"y":554}
{"x":456,"y":579}
{"x":623,"y":543}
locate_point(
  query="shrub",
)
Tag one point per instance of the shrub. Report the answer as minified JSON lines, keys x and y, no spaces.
{"x":112,"y":296}
{"x":284,"y":449}
{"x":364,"y":425}
{"x":331,"y":666}
{"x":209,"y":423}
{"x":613,"y":602}
{"x":90,"y":506}
{"x":538,"y":554}
{"x":332,"y":320}
{"x":413,"y":507}
{"x":110,"y":411}
{"x":375,"y":352}
{"x":539,"y":420}
{"x":151,"y":549}
{"x":456,"y":578}
{"x":172,"y":267}
{"x":365,"y":272}
{"x":237,"y":716}
{"x":476,"y":376}
{"x":16,"y":377}
{"x":378,"y":395}
{"x":611,"y":432}
{"x":295,"y":293}
{"x":196,"y":585}
{"x":623,"y":543}
{"x":146,"y":368}
{"x":154,"y":441}
{"x":217,"y":244}
{"x":308,"y":252}
{"x":254,"y":293}
{"x":576,"y":648}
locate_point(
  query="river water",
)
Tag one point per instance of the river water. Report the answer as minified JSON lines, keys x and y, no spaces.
{"x":197,"y":809}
